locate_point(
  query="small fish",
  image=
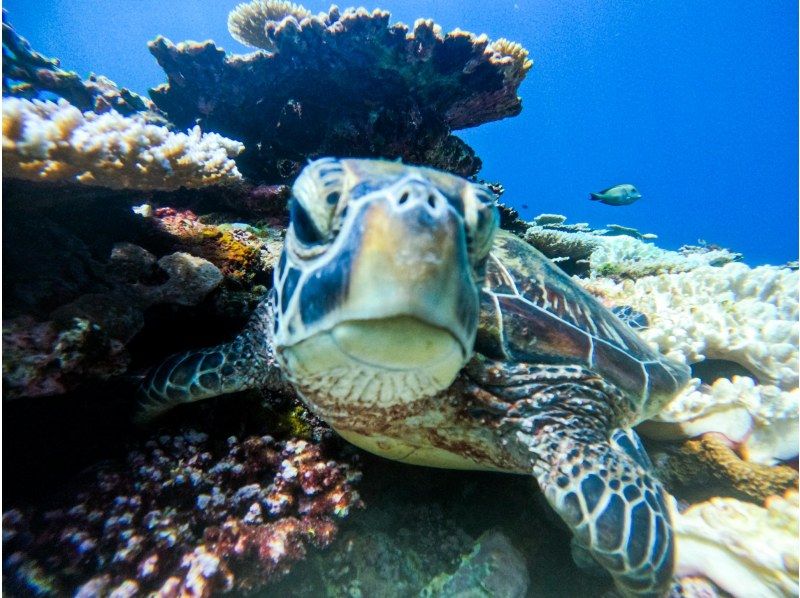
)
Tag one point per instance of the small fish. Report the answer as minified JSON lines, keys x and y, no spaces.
{"x":618,"y":195}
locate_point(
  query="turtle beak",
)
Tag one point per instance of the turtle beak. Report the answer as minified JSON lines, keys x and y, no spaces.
{"x":412,"y":262}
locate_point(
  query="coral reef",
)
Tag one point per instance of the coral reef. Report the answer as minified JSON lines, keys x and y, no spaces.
{"x":182,"y":517}
{"x":27,"y":74}
{"x":84,"y":340}
{"x":240,"y":251}
{"x":708,"y":466}
{"x":398,"y":92}
{"x":46,"y":358}
{"x":618,"y":251}
{"x":748,"y":316}
{"x":760,"y":421}
{"x":47,"y":141}
{"x":745,"y":549}
{"x":493,"y":568}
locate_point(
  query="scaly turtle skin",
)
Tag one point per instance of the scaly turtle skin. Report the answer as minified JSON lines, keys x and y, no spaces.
{"x":405,"y":320}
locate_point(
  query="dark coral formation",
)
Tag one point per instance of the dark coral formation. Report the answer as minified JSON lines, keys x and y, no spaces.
{"x":27,"y":74}
{"x":87,"y":279}
{"x":345,"y":84}
{"x":182,"y":517}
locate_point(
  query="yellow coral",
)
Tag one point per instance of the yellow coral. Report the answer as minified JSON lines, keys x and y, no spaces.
{"x":512,"y":54}
{"x":48,"y":141}
{"x":711,"y":458}
{"x":247,"y":22}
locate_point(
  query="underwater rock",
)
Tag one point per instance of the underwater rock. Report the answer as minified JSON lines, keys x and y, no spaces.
{"x":735,"y":313}
{"x":745,"y":549}
{"x":493,"y":568}
{"x":398,"y":92}
{"x":708,"y":466}
{"x":27,"y":74}
{"x":55,"y":142}
{"x":616,"y":251}
{"x":182,"y":516}
{"x":759,"y":421}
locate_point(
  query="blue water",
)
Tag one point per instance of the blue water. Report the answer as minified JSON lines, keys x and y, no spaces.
{"x":695,"y":102}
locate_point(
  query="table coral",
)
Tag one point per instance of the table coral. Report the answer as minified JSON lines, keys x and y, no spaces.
{"x":759,"y":421}
{"x":745,"y":549}
{"x":398,"y":91}
{"x":734,"y":313}
{"x":182,"y":516}
{"x":616,"y":251}
{"x":26,"y":73}
{"x":48,"y":141}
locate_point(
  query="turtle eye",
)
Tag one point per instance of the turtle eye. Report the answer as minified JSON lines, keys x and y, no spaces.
{"x":316,"y":194}
{"x":304,"y":228}
{"x":485,"y":221}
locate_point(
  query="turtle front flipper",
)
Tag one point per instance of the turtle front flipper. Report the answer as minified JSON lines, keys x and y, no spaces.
{"x":595,"y":476}
{"x":245,"y":362}
{"x":616,"y":510}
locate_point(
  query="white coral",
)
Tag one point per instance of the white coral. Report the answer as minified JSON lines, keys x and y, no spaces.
{"x":734,"y":313}
{"x":635,"y":258}
{"x":760,"y":420}
{"x":745,"y":549}
{"x":48,"y":141}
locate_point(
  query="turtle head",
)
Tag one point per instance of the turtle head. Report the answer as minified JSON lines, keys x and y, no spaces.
{"x":377,"y":288}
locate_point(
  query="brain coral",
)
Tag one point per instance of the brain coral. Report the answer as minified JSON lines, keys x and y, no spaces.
{"x":735,"y":313}
{"x":341,"y":83}
{"x":47,"y":141}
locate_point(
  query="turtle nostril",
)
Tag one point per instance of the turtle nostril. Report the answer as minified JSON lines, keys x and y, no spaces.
{"x":403,"y":198}
{"x":432,"y":201}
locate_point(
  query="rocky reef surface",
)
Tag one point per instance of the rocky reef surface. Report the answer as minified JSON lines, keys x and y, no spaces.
{"x":135,"y":228}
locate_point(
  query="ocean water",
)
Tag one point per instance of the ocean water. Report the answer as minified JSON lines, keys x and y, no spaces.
{"x":112,"y":313}
{"x":695,"y":105}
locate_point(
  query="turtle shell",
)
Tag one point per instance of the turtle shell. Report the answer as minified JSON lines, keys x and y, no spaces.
{"x":532,"y":312}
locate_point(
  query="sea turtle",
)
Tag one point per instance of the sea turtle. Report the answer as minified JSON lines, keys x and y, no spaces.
{"x":419,"y":331}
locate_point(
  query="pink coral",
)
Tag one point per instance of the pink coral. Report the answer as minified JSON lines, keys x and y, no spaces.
{"x":184,"y":518}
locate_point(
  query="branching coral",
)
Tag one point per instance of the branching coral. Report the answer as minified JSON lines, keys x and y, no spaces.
{"x":745,"y":549}
{"x":26,"y":73}
{"x":47,"y":141}
{"x":182,"y":517}
{"x":735,"y":313}
{"x":398,"y":91}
